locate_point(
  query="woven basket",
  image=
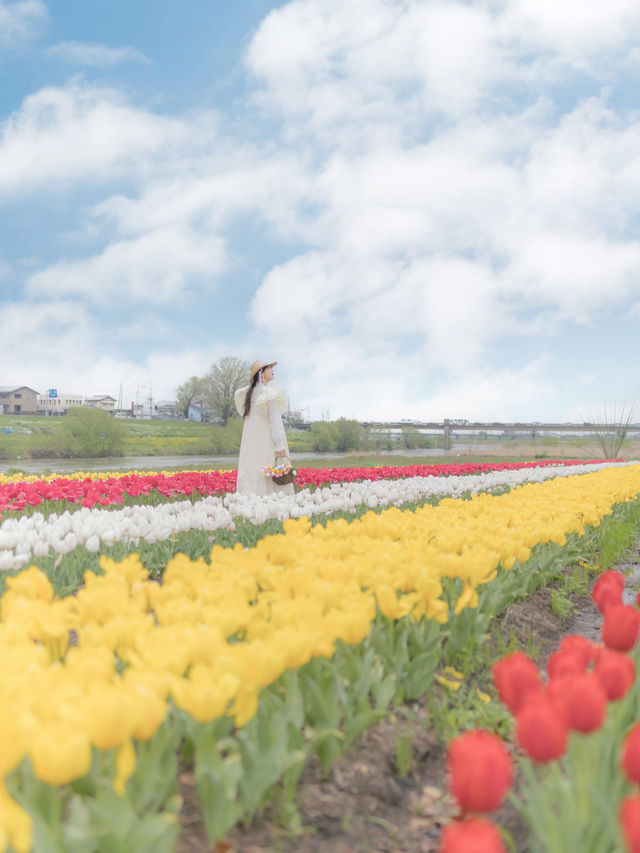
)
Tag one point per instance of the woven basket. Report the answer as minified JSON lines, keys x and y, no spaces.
{"x":285,"y":479}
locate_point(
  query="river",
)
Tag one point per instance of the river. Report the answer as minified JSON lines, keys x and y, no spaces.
{"x":159,"y":463}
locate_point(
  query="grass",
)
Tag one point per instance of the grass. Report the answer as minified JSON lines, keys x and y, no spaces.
{"x":34,"y":436}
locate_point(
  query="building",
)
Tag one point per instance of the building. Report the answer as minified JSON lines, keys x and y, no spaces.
{"x":199,"y":412}
{"x":58,"y":402}
{"x":167,"y":410}
{"x":101,"y":401}
{"x":18,"y":400}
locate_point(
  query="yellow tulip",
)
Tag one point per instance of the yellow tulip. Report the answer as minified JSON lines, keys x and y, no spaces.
{"x":60,"y":753}
{"x":15,"y":823}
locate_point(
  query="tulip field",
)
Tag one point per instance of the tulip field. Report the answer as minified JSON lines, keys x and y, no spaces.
{"x":150,"y":620}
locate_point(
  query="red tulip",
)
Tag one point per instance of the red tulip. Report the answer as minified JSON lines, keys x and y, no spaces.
{"x":620,"y":628}
{"x":630,"y":820}
{"x":631,"y":754}
{"x":516,"y":676}
{"x":565,"y":663}
{"x":616,"y":672}
{"x":586,"y":703}
{"x":608,"y":590}
{"x":473,"y":835}
{"x":480,"y":771}
{"x":541,"y":728}
{"x":556,"y":693}
{"x":575,"y":644}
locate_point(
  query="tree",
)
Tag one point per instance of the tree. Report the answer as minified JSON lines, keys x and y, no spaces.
{"x":322,"y":436}
{"x":220,"y":384}
{"x":187,"y":393}
{"x":348,"y":434}
{"x":92,"y":432}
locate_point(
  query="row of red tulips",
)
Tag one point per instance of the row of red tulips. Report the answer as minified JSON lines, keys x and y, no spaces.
{"x":105,"y":491}
{"x":581,"y":679}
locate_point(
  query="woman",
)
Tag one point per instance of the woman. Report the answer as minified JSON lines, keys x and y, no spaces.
{"x":264,"y":442}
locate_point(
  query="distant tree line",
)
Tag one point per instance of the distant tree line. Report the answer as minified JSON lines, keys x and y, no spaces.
{"x":346,"y":435}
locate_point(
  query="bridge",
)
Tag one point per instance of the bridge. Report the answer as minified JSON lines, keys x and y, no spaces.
{"x":449,"y":426}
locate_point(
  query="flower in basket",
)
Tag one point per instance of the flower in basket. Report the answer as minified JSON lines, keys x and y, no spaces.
{"x":281,"y":474}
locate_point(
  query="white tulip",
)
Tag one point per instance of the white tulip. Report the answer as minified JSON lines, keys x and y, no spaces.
{"x":92,"y":544}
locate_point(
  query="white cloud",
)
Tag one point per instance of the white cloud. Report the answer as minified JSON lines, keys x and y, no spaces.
{"x":437,"y":241}
{"x":575,"y":29}
{"x":482,"y":395}
{"x":213,"y":190}
{"x":99,"y":55}
{"x":385,"y":66}
{"x":44,"y":339}
{"x":62,"y":135}
{"x":156,"y":267}
{"x":20,"y":20}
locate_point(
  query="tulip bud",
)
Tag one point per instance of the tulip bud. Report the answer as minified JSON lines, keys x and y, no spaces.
{"x":620,"y":628}
{"x":586,"y":703}
{"x":616,"y":672}
{"x":480,"y":771}
{"x":575,"y":644}
{"x":608,"y":590}
{"x":631,"y":754}
{"x":516,"y":676}
{"x":473,"y":834}
{"x":541,"y":729}
{"x":562,"y":664}
{"x":630,"y":820}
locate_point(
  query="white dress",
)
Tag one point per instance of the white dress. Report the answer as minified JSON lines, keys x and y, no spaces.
{"x":262,"y":434}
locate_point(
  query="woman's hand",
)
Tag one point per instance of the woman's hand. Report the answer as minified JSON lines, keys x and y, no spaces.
{"x":280,"y":453}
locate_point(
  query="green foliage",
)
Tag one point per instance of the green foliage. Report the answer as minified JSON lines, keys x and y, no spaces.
{"x":412,"y":438}
{"x":561,"y":605}
{"x":220,"y":384}
{"x":379,"y":440}
{"x":343,"y":435}
{"x":323,"y":438}
{"x":404,"y":754}
{"x":88,"y":816}
{"x":348,"y":434}
{"x":92,"y":432}
{"x":226,"y":439}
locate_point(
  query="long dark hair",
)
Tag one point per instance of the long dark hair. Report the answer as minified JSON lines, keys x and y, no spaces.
{"x":247,"y":399}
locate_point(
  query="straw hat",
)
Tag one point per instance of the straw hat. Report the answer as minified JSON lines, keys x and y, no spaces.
{"x":259,"y":364}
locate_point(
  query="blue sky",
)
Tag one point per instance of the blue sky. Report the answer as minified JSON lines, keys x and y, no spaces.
{"x":420,"y":208}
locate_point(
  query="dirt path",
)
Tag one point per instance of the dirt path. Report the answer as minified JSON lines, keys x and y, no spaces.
{"x":367,"y":804}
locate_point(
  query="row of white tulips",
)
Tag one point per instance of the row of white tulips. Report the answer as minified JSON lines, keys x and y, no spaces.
{"x":22,"y":539}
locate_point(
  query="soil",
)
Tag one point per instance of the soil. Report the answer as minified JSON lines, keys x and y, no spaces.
{"x":365,"y":804}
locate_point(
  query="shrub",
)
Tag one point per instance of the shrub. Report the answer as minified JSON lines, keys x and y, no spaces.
{"x":323,"y":437}
{"x":91,"y":432}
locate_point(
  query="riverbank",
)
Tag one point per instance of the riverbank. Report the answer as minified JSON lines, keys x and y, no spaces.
{"x":307,"y":459}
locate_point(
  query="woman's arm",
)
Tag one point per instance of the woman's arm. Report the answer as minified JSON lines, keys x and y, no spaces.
{"x":277,"y":430}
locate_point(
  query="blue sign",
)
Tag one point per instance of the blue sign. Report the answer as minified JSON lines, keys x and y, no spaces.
{"x":52,"y":392}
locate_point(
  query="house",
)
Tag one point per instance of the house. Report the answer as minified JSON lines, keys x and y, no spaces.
{"x":101,"y":401}
{"x":56,"y":402}
{"x":199,"y":412}
{"x":167,"y":410}
{"x":18,"y":400}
